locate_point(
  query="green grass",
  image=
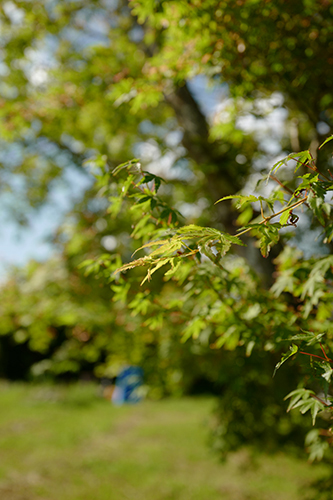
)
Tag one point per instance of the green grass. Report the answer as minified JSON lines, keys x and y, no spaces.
{"x":68,"y":443}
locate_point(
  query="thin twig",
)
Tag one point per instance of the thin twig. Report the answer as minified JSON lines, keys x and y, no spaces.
{"x":275,"y":179}
{"x":327,"y":358}
{"x":314,"y":355}
{"x":320,"y":400}
{"x":269,"y":217}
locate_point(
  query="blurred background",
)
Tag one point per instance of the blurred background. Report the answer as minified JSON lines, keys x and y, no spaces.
{"x":209,"y":95}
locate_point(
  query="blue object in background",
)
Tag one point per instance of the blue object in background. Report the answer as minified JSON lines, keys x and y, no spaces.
{"x":127,"y":387}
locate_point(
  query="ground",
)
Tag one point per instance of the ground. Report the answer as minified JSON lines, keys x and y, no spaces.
{"x":69,"y":443}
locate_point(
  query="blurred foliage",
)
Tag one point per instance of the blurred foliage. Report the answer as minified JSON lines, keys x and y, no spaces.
{"x":209,"y":94}
{"x":78,"y":329}
{"x":67,"y":325}
{"x":84,"y":75}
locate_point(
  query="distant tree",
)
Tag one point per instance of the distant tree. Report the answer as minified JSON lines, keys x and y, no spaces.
{"x":107,"y":76}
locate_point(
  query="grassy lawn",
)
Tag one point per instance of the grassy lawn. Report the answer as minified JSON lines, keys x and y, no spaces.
{"x":66,"y":443}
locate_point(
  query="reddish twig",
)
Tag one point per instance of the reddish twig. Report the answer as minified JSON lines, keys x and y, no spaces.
{"x":320,"y":400}
{"x":327,"y":358}
{"x":314,"y":355}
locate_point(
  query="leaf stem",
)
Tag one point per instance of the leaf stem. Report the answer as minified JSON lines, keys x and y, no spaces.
{"x":314,"y":396}
{"x":314,"y":355}
{"x":327,"y":358}
{"x":261,"y":209}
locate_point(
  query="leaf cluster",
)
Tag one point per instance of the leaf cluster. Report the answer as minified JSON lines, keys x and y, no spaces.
{"x":219,"y":305}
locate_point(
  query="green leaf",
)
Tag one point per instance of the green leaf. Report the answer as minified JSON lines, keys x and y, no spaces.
{"x":329,"y":233}
{"x":148,"y":177}
{"x":328,"y":370}
{"x":115,"y":205}
{"x":242,"y":199}
{"x":245,"y":216}
{"x":284,"y":217}
{"x":313,"y":405}
{"x":296,"y":396}
{"x":301,"y":158}
{"x":305,"y":400}
{"x":155,"y":322}
{"x":174,"y":268}
{"x":152,"y":270}
{"x":126,"y":185}
{"x":194,"y":328}
{"x":309,"y":337}
{"x":128,"y":164}
{"x":141,"y":227}
{"x":143,"y":199}
{"x":269,"y":236}
{"x":229,"y":339}
{"x":249,"y":348}
{"x":315,"y":446}
{"x":292,"y":350}
{"x":326,"y":141}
